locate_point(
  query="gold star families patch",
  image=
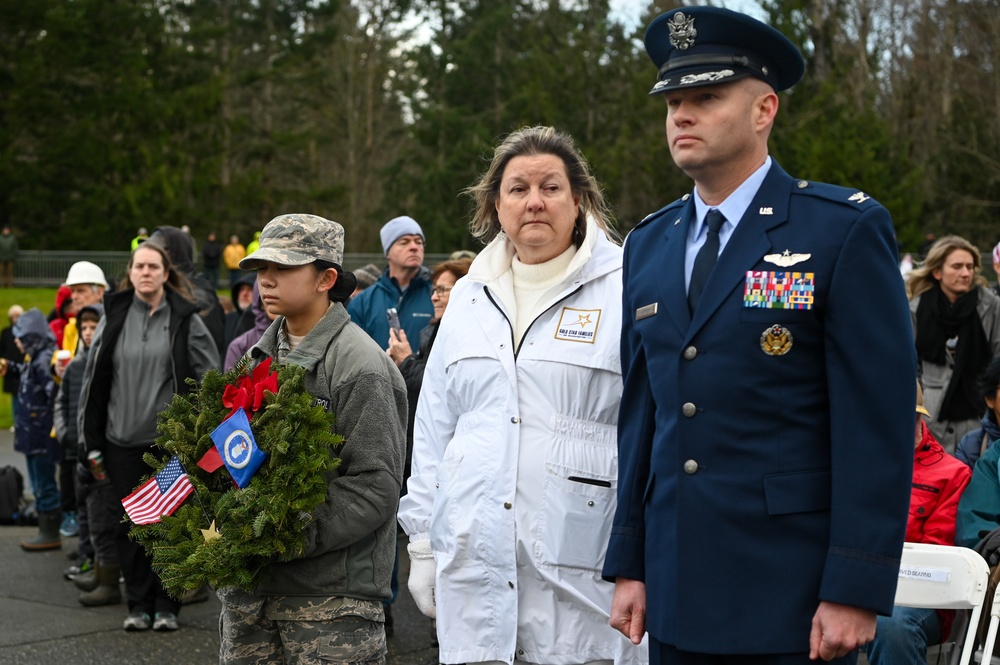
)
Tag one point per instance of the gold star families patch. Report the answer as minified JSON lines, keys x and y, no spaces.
{"x":578,"y":325}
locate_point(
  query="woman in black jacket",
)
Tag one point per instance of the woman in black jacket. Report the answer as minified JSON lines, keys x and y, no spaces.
{"x":410,"y":364}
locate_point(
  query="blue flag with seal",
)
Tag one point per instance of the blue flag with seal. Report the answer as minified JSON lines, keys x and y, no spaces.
{"x":237,"y":447}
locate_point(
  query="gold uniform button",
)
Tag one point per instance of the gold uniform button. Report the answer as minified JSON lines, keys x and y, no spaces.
{"x":507,"y":505}
{"x":689,"y":410}
{"x":690,"y":467}
{"x":690,"y":353}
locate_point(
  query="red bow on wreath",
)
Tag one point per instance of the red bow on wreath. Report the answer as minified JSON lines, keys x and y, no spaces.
{"x":248,"y":394}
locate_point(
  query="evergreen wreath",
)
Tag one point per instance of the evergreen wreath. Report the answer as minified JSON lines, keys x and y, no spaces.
{"x":260,"y":523}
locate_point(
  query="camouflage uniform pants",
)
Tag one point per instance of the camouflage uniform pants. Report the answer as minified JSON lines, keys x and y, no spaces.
{"x":300,"y":631}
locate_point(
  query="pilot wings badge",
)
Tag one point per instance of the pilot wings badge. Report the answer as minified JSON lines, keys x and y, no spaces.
{"x":682,"y":32}
{"x":786,"y":258}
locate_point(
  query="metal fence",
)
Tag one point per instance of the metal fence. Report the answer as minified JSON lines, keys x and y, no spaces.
{"x":38,"y":268}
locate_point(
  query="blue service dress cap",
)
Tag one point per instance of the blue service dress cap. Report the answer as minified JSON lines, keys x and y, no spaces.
{"x":697,"y":46}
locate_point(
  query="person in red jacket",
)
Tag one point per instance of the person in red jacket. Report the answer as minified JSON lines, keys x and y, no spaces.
{"x":938,"y":482}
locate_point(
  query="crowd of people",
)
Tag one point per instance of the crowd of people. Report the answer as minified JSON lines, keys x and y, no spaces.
{"x":591,"y":444}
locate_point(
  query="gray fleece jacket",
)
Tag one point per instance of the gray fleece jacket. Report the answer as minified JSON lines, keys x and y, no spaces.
{"x":351,"y":542}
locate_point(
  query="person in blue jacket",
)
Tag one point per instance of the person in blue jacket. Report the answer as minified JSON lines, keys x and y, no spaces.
{"x":975,"y":443}
{"x":404,"y":285}
{"x":766,"y":425}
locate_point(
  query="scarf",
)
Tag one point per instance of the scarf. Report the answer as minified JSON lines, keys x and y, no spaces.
{"x":939,"y":320}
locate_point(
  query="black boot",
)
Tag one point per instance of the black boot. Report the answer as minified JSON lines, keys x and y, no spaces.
{"x":48,"y":533}
{"x":107,"y":591}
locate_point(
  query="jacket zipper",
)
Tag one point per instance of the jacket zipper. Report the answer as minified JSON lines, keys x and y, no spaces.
{"x":517,"y":350}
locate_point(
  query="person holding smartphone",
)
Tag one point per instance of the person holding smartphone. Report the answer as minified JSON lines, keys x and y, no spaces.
{"x":404,"y":286}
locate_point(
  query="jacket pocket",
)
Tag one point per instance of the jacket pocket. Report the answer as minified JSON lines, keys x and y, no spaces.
{"x":923,"y":500}
{"x":575,"y":521}
{"x":579,"y":497}
{"x":797,"y":492}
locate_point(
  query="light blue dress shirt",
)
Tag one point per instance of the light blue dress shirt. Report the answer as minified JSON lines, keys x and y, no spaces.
{"x":732,"y":209}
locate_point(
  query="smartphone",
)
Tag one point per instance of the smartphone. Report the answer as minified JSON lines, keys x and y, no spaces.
{"x":393,"y":317}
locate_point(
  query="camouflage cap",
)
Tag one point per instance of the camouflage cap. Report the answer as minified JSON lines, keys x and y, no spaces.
{"x":298,"y":239}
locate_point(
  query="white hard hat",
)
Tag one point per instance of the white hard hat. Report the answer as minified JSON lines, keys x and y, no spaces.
{"x":85,"y":272}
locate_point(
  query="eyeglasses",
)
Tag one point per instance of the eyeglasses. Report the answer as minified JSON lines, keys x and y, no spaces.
{"x":441,"y":290}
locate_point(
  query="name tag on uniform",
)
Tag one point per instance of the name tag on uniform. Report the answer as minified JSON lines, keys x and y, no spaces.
{"x":578,"y":325}
{"x":645,"y":311}
{"x":779,"y":290}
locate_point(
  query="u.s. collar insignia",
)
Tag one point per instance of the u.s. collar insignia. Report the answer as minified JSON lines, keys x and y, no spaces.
{"x":858,"y":197}
{"x":786,"y":258}
{"x":682,"y":32}
{"x":776,"y":340}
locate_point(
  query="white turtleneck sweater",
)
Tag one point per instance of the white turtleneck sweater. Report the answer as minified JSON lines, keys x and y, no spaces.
{"x":531,"y":282}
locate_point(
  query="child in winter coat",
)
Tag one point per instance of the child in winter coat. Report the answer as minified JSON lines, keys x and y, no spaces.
{"x":33,"y":424}
{"x":98,"y":508}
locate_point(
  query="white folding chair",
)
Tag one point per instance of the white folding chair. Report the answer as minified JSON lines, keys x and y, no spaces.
{"x":991,"y":632}
{"x":948,"y":578}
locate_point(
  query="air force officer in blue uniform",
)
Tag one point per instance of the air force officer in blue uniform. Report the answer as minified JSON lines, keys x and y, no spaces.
{"x":766,"y":423}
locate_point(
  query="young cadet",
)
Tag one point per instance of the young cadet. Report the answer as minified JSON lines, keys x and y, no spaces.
{"x":326,"y":604}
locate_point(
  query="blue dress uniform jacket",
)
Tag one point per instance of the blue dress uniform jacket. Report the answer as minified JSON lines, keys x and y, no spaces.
{"x":753,"y":485}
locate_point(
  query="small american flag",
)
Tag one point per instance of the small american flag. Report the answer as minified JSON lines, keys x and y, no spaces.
{"x":160,"y":495}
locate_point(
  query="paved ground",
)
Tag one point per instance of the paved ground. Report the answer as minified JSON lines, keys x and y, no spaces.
{"x":41,"y":622}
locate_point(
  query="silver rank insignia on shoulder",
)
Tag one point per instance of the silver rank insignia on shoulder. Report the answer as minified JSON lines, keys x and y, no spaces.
{"x":677,"y":221}
{"x":786,"y":258}
{"x":776,"y":340}
{"x":859,"y":197}
{"x":646,"y":311}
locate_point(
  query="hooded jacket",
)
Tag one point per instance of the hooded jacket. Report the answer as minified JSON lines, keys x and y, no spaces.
{"x":237,"y":321}
{"x":243,"y":343}
{"x":33,"y":423}
{"x":515,"y":464}
{"x":68,"y":397}
{"x":59,"y":317}
{"x":975,"y":442}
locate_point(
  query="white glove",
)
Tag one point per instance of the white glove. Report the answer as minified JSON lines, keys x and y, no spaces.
{"x":422,"y":576}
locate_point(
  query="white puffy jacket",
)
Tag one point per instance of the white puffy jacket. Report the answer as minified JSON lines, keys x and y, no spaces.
{"x":515,"y":465}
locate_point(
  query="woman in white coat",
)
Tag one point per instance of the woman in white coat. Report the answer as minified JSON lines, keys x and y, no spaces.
{"x":512,"y":494}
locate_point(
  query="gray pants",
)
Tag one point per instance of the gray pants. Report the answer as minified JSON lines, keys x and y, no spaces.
{"x":300,"y":631}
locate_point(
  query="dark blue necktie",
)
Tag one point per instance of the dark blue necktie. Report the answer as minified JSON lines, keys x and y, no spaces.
{"x":706,"y":258}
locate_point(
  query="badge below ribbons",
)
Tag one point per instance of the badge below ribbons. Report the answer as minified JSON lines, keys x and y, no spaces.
{"x":779,"y":290}
{"x":237,"y":447}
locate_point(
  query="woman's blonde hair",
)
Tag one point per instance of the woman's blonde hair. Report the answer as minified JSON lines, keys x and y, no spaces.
{"x":922,"y":278}
{"x":485,"y":224}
